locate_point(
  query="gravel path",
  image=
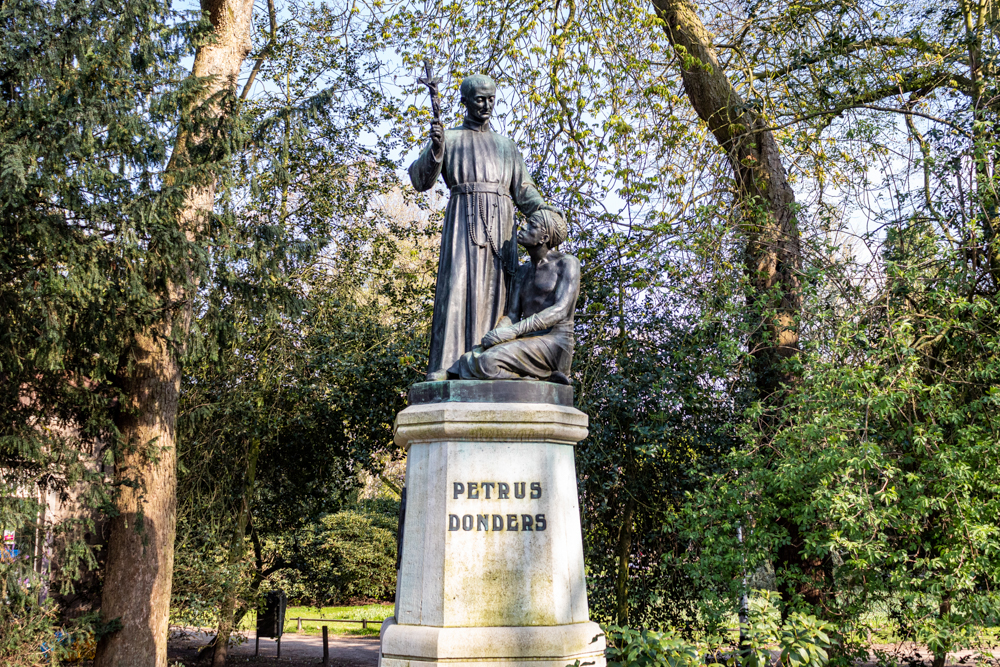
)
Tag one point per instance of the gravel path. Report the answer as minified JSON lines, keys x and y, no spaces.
{"x":296,"y":649}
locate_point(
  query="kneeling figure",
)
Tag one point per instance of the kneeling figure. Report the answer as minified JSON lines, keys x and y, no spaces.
{"x":535,"y":338}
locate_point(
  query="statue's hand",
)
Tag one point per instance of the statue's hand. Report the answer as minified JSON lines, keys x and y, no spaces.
{"x":499,"y":335}
{"x":437,"y":136}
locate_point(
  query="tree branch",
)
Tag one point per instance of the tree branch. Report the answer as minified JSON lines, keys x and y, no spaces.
{"x":854,"y":47}
{"x":873,"y":107}
{"x":265,"y":52}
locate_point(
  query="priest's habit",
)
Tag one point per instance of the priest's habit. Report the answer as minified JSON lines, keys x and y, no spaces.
{"x":488,"y":180}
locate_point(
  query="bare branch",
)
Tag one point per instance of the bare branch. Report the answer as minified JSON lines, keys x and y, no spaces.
{"x":845,"y":49}
{"x":265,"y":52}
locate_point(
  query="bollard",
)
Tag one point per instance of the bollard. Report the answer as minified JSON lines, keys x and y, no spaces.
{"x":364,"y":623}
{"x":326,"y":648}
{"x":298,"y":625}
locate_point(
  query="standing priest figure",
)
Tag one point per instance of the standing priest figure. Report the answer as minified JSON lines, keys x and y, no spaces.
{"x":488,"y":179}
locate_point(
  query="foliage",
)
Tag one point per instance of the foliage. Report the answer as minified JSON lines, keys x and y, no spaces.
{"x":310,"y":409}
{"x":305,"y":387}
{"x":801,"y":641}
{"x":653,"y":380}
{"x":27,"y":624}
{"x":628,"y":647}
{"x":347,"y":555}
{"x":802,"y":638}
{"x":886,"y":453}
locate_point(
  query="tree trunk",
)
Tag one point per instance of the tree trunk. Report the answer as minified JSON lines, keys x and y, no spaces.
{"x":141,"y":548}
{"x":773,"y":257}
{"x":624,"y":550}
{"x":228,"y":609}
{"x":941,"y":655}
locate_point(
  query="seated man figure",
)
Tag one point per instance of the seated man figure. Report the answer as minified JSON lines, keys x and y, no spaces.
{"x":535,"y":338}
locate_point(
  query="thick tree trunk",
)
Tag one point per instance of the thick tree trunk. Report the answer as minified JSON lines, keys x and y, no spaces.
{"x":773,"y":257}
{"x":141,"y":548}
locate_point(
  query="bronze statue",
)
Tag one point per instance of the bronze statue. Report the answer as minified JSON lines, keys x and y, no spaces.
{"x":535,"y":339}
{"x":488,"y":180}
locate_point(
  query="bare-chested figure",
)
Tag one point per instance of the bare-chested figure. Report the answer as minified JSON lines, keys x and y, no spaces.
{"x":535,"y":338}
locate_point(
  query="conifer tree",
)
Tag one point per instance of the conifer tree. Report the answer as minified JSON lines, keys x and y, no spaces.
{"x":150,"y":373}
{"x":103,"y":243}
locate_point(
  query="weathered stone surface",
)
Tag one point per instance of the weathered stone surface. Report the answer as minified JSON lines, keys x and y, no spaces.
{"x":402,"y":644}
{"x":491,"y":567}
{"x":485,"y":577}
{"x":489,"y":422}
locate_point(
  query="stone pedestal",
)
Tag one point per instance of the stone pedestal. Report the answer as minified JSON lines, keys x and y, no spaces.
{"x":491,"y":568}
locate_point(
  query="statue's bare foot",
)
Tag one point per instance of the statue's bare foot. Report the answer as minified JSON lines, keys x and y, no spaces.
{"x":559,"y":378}
{"x":436,"y":376}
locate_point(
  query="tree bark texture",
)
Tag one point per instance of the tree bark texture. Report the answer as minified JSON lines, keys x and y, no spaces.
{"x":773,"y":257}
{"x":141,"y":548}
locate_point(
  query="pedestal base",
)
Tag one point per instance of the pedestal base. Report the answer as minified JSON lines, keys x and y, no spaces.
{"x":551,"y":646}
{"x":491,"y":562}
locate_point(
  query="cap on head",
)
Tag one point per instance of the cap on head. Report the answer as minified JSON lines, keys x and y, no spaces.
{"x":553,"y":223}
{"x":477,"y":82}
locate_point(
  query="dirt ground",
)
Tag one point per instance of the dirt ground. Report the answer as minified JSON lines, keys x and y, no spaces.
{"x":913,"y":655}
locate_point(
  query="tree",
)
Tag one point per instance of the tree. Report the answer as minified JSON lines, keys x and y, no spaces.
{"x":349,"y":555}
{"x":772,"y":255}
{"x":886,"y":342}
{"x":90,"y":99}
{"x":149,"y":374}
{"x":653,"y":378}
{"x":275,"y":433}
{"x":270,"y":432}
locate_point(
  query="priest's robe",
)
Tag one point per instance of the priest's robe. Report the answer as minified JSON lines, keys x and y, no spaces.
{"x":488,"y":180}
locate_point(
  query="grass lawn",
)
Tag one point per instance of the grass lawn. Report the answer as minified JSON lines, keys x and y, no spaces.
{"x":374,"y":613}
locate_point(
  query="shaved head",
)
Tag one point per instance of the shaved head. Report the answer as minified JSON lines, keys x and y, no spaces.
{"x":477,"y":83}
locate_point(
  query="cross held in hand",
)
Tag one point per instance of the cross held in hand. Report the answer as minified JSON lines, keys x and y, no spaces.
{"x":432,"y":82}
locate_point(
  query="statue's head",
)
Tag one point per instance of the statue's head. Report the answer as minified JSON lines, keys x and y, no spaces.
{"x":544,"y":226}
{"x":479,"y":94}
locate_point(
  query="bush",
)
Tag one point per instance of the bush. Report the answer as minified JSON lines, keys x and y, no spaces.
{"x":645,"y":648}
{"x":802,"y":641}
{"x":350,"y":554}
{"x":28,"y":626}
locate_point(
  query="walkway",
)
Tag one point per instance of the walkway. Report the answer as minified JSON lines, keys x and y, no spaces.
{"x":344,"y":649}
